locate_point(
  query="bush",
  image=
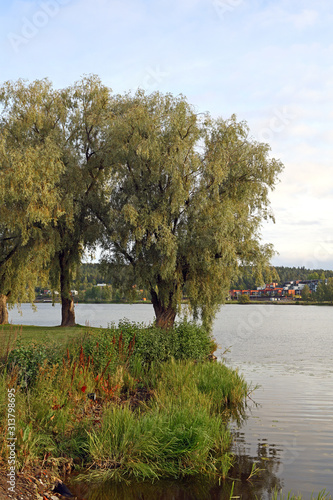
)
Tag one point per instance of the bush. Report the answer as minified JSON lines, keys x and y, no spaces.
{"x":186,"y":340}
{"x":136,"y":344}
{"x":28,"y":358}
{"x":132,"y":344}
{"x":243,"y":299}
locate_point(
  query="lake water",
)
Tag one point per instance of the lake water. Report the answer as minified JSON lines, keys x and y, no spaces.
{"x":288,"y":352}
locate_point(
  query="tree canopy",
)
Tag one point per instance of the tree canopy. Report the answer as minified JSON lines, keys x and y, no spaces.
{"x":176,"y":198}
{"x":188,"y":202}
{"x":324,"y":291}
{"x":54,"y":141}
{"x":29,"y":198}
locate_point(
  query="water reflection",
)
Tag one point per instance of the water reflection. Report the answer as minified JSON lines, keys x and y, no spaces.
{"x":193,"y":489}
{"x":256,"y":477}
{"x":239,"y":481}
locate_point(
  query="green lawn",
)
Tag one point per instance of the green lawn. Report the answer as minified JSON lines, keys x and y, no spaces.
{"x":9,"y":333}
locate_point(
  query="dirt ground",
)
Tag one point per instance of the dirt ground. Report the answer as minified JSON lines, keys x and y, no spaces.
{"x":35,"y":484}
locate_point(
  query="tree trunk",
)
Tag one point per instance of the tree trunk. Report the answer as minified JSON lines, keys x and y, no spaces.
{"x":165,"y":315}
{"x":67,"y":312}
{"x":67,"y":301}
{"x":3,"y":309}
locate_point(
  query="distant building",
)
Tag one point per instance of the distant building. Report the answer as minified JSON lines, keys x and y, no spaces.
{"x":273,"y":290}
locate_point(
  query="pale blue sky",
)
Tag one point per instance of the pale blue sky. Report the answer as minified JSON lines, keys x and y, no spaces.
{"x":270,"y":62}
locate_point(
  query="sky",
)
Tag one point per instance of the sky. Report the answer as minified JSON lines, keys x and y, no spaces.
{"x":270,"y":62}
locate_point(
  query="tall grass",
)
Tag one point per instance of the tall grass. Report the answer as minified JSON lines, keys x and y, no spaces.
{"x":176,"y":434}
{"x":118,"y":405}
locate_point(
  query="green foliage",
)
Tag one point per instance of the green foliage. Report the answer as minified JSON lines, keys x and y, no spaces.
{"x":180,"y":425}
{"x":26,"y":360}
{"x":214,"y":382}
{"x":98,"y":294}
{"x":170,"y":440}
{"x":324,"y":291}
{"x":223,"y":386}
{"x":92,"y":274}
{"x":250,"y":277}
{"x":188,"y":204}
{"x":52,"y":160}
{"x":29,"y":174}
{"x":148,"y":344}
{"x":306,"y":293}
{"x":130,"y":343}
{"x":177,"y":200}
{"x":313,"y":276}
{"x":301,"y":273}
{"x":243,"y":299}
{"x":175,"y":431}
{"x":191,"y":341}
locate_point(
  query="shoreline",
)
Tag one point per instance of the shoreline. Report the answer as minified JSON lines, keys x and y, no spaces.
{"x":228,"y":302}
{"x":120,"y":379}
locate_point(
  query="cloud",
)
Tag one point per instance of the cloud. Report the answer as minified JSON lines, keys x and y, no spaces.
{"x":282,"y":14}
{"x":303,"y":223}
{"x":269,"y":62}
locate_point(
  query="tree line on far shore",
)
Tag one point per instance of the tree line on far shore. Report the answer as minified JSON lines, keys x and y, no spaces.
{"x":93,"y":283}
{"x":173,"y":197}
{"x":247,"y":279}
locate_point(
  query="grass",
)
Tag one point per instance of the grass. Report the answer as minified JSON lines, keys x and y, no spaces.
{"x":29,"y":333}
{"x":128,"y":402}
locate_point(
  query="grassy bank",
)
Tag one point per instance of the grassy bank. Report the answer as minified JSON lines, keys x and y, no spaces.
{"x":10,"y":334}
{"x":128,"y":403}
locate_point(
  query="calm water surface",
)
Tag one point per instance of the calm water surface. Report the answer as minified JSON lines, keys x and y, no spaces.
{"x":288,"y":432}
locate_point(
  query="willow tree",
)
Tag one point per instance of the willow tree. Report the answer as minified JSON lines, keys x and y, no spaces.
{"x":187,"y":207}
{"x":72,"y":121}
{"x":28,"y":204}
{"x":85,"y":148}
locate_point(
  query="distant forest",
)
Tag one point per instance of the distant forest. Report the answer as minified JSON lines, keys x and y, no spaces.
{"x":90,"y":275}
{"x":279,"y":274}
{"x":93,"y":274}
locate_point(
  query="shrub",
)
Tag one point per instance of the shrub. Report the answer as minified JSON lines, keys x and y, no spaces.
{"x":27,"y":359}
{"x":186,"y":340}
{"x":130,"y":344}
{"x":138,"y":346}
{"x":243,"y":299}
